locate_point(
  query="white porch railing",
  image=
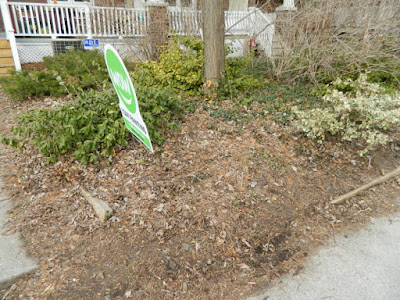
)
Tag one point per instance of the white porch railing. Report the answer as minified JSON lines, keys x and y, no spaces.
{"x":188,"y":22}
{"x":34,"y":19}
{"x":61,"y":20}
{"x":252,"y":23}
{"x":183,"y":21}
{"x":263,"y":30}
{"x":112,"y":21}
{"x":24,"y":19}
{"x":238,"y":23}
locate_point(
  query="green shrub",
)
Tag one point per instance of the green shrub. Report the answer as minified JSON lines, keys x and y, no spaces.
{"x":365,"y":113}
{"x":10,"y":141}
{"x":90,"y":128}
{"x":24,"y":85}
{"x":78,"y":69}
{"x":160,"y":108}
{"x":179,"y":66}
{"x":390,"y":79}
{"x":237,"y":78}
{"x":67,"y":73}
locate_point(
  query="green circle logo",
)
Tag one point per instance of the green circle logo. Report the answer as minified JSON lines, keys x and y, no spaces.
{"x":121,"y":80}
{"x":127,"y":97}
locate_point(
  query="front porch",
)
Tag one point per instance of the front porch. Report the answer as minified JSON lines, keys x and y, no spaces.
{"x":35,"y":30}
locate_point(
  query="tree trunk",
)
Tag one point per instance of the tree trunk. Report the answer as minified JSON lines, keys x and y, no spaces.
{"x":158,"y":28}
{"x":214,"y":40}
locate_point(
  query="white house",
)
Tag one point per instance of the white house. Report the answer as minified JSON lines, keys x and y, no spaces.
{"x":44,"y":27}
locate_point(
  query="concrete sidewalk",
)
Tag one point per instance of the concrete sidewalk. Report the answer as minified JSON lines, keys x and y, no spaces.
{"x":13,"y":260}
{"x":362,"y":266}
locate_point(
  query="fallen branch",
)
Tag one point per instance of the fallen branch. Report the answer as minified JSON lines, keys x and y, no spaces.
{"x":102,"y":210}
{"x":376,"y":181}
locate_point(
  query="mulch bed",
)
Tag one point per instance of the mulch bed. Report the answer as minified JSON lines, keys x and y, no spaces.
{"x":217,"y":214}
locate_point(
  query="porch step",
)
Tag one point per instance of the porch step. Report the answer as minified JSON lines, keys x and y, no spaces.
{"x":6,"y":58}
{"x":4,"y":69}
{"x":4,"y":44}
{"x":5,"y":52}
{"x":5,"y":61}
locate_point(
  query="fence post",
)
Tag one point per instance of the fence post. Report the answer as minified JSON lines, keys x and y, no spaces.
{"x":252,"y":27}
{"x":252,"y":20}
{"x":158,"y":26}
{"x":8,"y":26}
{"x":88,"y":21}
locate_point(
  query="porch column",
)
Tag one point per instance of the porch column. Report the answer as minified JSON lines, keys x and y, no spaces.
{"x":287,"y":5}
{"x":158,"y":26}
{"x":8,"y":26}
{"x":138,"y":4}
{"x":88,"y":21}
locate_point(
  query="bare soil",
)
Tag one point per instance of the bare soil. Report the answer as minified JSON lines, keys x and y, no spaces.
{"x":35,"y":66}
{"x":215,"y":215}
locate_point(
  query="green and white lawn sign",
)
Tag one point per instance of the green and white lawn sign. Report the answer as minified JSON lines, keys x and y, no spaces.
{"x":127,"y":97}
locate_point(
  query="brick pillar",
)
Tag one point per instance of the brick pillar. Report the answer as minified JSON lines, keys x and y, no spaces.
{"x":226,"y":4}
{"x":252,"y":3}
{"x":158,"y":26}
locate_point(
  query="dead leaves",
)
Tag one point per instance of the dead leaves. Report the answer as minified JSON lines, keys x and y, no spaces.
{"x":175,"y":227}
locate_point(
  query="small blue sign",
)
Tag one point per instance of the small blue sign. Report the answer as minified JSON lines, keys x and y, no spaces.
{"x":91,"y":43}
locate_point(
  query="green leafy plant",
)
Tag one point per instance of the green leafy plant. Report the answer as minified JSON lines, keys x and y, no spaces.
{"x":10,"y":141}
{"x":179,"y":66}
{"x":237,"y":80}
{"x":365,"y":113}
{"x":78,"y":69}
{"x":160,"y":108}
{"x":24,"y":85}
{"x":67,"y":73}
{"x":91,"y":128}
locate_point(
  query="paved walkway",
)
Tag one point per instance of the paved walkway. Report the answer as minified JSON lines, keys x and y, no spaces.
{"x":362,"y":266}
{"x":13,"y":260}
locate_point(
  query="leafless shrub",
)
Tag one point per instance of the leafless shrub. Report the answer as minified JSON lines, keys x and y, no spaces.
{"x":138,"y":49}
{"x":327,"y":38}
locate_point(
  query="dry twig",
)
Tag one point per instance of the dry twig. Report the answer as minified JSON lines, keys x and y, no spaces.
{"x":374,"y":182}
